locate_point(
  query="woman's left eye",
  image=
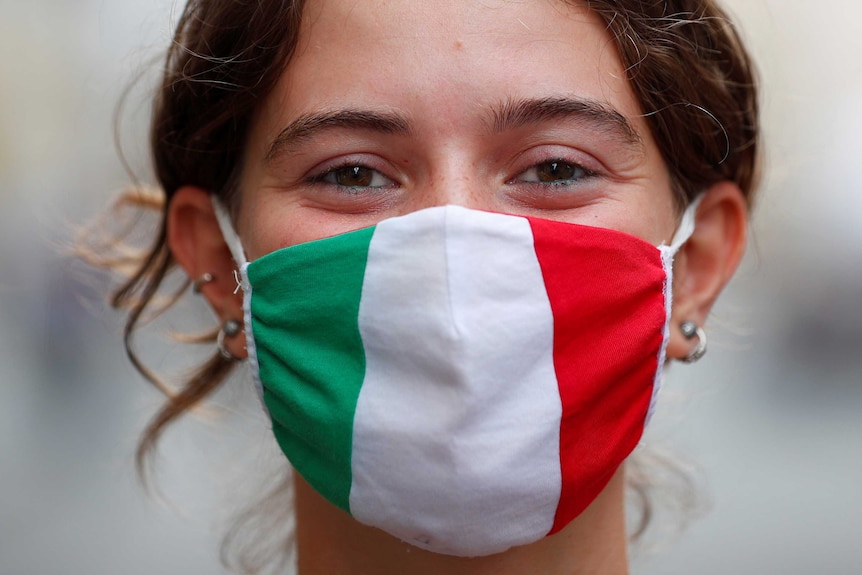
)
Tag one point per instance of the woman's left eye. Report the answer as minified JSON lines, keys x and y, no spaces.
{"x":555,"y":173}
{"x":354,"y":176}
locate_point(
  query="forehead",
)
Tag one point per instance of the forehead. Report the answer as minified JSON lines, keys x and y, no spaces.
{"x":446,"y":54}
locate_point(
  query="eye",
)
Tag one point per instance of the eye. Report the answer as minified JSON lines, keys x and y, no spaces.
{"x":554,"y":172}
{"x":353,"y":176}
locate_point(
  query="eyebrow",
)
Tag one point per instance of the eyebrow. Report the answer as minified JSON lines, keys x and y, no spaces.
{"x":593,"y":114}
{"x":509,"y":115}
{"x":309,"y":125}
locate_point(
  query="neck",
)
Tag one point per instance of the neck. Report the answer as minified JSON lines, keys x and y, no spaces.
{"x":330,"y":541}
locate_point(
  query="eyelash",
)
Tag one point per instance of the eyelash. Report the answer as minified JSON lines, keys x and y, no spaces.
{"x":333,"y":172}
{"x":580,"y":174}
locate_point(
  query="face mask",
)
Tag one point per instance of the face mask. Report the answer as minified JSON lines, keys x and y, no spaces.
{"x":465,"y":381}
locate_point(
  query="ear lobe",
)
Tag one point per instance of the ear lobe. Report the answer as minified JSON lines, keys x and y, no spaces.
{"x":197,"y":244}
{"x":707,"y":261}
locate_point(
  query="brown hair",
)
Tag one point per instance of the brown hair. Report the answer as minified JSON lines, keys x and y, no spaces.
{"x":685,"y":62}
{"x":226,"y":57}
{"x":695,"y":83}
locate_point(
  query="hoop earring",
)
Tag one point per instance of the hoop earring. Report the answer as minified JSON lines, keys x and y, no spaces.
{"x":230,"y":328}
{"x":691,"y":330}
{"x":199,"y":282}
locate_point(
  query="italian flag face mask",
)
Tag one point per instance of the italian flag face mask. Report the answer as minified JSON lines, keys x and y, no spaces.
{"x":465,"y":381}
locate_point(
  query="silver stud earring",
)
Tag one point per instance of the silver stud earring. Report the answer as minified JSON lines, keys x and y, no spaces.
{"x":230,"y":328}
{"x":691,"y":330}
{"x":199,"y":282}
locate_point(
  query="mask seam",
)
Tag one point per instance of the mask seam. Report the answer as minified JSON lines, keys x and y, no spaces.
{"x":251,"y":344}
{"x":446,"y":256}
{"x":667,"y":254}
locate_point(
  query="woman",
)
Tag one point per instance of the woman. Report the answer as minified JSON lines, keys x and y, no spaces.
{"x":508,"y":193}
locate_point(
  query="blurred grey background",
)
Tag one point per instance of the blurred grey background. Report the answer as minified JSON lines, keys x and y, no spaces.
{"x":769,"y":423}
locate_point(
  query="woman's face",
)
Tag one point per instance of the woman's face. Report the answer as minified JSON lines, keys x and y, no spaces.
{"x":515,"y":106}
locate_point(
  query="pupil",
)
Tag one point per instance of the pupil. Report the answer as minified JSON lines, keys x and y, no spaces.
{"x":556,"y":171}
{"x":354,"y":176}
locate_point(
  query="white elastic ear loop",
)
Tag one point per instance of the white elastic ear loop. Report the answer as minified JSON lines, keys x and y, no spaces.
{"x":234,"y":244}
{"x":230,"y":236}
{"x":686,"y":225}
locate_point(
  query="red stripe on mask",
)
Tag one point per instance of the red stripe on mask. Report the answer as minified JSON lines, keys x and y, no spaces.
{"x":607,"y":299}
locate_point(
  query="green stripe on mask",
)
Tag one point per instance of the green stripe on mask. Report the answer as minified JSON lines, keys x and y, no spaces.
{"x":304,"y":310}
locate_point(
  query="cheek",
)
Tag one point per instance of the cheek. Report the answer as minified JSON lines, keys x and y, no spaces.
{"x":656,"y":214}
{"x":663,"y":221}
{"x":271,"y":222}
{"x":266,"y":226}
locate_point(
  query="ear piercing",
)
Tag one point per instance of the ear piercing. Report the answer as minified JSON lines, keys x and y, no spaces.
{"x":230,"y":328}
{"x":691,"y":330}
{"x":199,"y":282}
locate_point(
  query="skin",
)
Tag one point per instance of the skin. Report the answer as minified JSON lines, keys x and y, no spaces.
{"x":391,"y":107}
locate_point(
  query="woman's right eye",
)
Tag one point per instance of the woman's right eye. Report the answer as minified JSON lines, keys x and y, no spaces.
{"x":353,"y":176}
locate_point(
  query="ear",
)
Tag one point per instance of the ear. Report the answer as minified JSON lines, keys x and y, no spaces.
{"x":197,"y":244}
{"x":707,"y":261}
